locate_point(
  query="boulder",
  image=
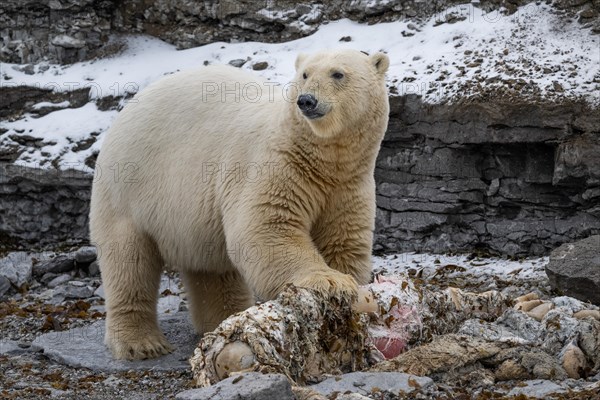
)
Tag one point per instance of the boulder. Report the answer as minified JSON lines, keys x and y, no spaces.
{"x":85,"y":255}
{"x":574,"y":269}
{"x":16,"y":269}
{"x":58,"y":264}
{"x":247,"y":386}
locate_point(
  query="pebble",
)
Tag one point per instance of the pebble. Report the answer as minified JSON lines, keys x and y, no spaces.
{"x":112,"y":381}
{"x":238,"y":63}
{"x":94,"y":269}
{"x":85,"y":255}
{"x":259,"y":66}
{"x":59,"y":280}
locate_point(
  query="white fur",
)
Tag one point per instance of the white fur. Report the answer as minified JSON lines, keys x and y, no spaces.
{"x":300,"y":208}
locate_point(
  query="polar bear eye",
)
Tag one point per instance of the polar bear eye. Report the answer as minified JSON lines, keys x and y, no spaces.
{"x":304,"y":75}
{"x":337,"y":75}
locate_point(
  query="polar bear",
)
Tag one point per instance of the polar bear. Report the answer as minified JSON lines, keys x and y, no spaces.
{"x":241,"y":185}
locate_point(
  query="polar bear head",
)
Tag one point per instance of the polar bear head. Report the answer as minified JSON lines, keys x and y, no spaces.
{"x":339,"y":92}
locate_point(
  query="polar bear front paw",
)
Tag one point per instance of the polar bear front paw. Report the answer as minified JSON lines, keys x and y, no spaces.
{"x":332,"y":284}
{"x":144,"y":347}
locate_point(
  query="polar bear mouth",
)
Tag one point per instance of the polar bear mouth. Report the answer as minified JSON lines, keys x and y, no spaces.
{"x":313,"y":114}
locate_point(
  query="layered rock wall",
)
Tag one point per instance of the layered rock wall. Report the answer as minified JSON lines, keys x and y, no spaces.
{"x":508,"y":178}
{"x":512,"y":178}
{"x":43,"y":208}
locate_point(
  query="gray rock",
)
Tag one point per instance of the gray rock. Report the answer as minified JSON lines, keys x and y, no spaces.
{"x":578,"y":159}
{"x":85,"y":255}
{"x":59,"y":280}
{"x":238,"y":63}
{"x":168,"y":304}
{"x":5,"y":285}
{"x":100,"y":292}
{"x":16,"y":268}
{"x":98,"y":308}
{"x":11,"y":347}
{"x":26,"y":69}
{"x":47,"y":277}
{"x":259,"y":66}
{"x":247,"y":386}
{"x":52,"y":205}
{"x":352,"y":396}
{"x":68,"y":42}
{"x":94,"y":269}
{"x":58,"y":264}
{"x":537,"y":388}
{"x":84,"y":347}
{"x":365,"y":382}
{"x":73,"y":292}
{"x":56,"y":300}
{"x":574,"y":269}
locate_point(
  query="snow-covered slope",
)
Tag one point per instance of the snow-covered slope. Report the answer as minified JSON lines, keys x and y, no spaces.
{"x":460,"y":54}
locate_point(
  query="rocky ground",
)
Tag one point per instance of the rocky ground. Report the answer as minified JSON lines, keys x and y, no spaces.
{"x":51,"y":329}
{"x":58,"y":292}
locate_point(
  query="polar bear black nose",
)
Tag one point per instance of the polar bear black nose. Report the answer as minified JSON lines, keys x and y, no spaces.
{"x":307,"y":102}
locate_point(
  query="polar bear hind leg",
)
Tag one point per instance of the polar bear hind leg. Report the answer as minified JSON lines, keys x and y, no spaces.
{"x":214,"y":296}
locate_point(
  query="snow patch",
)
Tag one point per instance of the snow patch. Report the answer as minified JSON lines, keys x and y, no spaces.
{"x":47,"y":104}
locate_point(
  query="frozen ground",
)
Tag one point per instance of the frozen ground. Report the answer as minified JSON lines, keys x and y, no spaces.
{"x":458,"y":55}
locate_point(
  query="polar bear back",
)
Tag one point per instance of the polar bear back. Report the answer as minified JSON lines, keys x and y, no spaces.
{"x":163,"y":149}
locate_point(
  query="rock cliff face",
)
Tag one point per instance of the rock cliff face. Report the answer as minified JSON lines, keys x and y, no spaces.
{"x":43,"y":208}
{"x":67,"y":31}
{"x":509,"y":178}
{"x":512,"y":178}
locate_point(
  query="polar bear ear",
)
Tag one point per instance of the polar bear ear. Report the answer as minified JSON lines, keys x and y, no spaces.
{"x":299,"y":60}
{"x":381,"y":62}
